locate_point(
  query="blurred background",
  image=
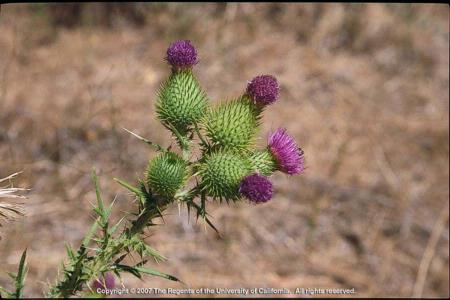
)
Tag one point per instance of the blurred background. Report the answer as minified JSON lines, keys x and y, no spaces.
{"x":364,"y":90}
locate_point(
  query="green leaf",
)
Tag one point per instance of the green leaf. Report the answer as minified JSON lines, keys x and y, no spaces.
{"x":203,"y":207}
{"x":100,"y":209}
{"x":21,"y":274}
{"x":203,"y":141}
{"x":129,"y":187}
{"x":155,"y":254}
{"x":182,"y":140}
{"x":120,"y":258}
{"x":156,"y":273}
{"x":148,"y":142}
{"x":114,"y":228}
{"x":12,"y":275}
{"x":141,"y":263}
{"x":144,"y":250}
{"x":6,"y":293}
{"x":109,"y":210}
{"x":132,"y":270}
{"x":70,"y":252}
{"x":90,"y":233}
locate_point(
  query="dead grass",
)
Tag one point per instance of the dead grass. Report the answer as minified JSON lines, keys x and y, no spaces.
{"x":365,"y":91}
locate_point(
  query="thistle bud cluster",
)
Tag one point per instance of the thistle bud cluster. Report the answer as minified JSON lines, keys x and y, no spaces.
{"x":230,"y":167}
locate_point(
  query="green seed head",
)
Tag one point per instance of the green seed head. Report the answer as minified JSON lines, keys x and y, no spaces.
{"x":181,"y":101}
{"x":263,"y":162}
{"x":233,"y":125}
{"x":222,"y":172}
{"x":166,"y":174}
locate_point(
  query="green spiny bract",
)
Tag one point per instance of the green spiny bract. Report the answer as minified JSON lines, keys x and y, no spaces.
{"x":181,"y":101}
{"x":263,"y":162}
{"x":222,"y":172}
{"x":166,"y":174}
{"x":233,"y":124}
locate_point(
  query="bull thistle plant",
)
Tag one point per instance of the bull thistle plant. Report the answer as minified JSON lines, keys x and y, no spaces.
{"x":229,"y":167}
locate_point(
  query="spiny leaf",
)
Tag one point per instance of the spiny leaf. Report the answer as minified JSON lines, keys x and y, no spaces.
{"x":157,"y":273}
{"x":199,"y":209}
{"x":141,"y":263}
{"x":129,"y":187}
{"x":132,"y":270}
{"x":90,"y":233}
{"x":203,"y":207}
{"x":6,"y":293}
{"x":100,"y":209}
{"x":70,"y":252}
{"x":109,"y":209}
{"x":182,"y":139}
{"x":143,"y":249}
{"x":148,"y":142}
{"x":114,"y":228}
{"x":21,"y":274}
{"x":120,"y":258}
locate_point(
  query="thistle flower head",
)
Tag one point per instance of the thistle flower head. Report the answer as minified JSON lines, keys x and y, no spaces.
{"x":107,"y":282}
{"x":233,"y":124}
{"x":181,"y":54}
{"x":181,"y":101}
{"x":166,"y":174}
{"x":256,"y":188}
{"x":222,"y":173}
{"x":263,"y":162}
{"x":288,"y":156}
{"x":263,"y":89}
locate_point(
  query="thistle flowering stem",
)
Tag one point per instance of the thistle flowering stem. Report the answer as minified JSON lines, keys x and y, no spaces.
{"x":229,"y":168}
{"x":70,"y":285}
{"x":145,"y":218}
{"x":200,"y":136}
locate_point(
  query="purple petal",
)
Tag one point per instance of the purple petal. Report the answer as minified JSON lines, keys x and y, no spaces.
{"x":182,"y":54}
{"x":288,"y":155}
{"x":256,"y":188}
{"x":107,"y":282}
{"x":263,"y":89}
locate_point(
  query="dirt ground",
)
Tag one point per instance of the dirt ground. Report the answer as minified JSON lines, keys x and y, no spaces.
{"x":364,"y":90}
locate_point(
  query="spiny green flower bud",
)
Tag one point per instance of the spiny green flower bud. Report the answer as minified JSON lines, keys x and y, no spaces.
{"x":181,"y":101}
{"x":263,"y":162}
{"x":222,"y":172}
{"x":166,"y":174}
{"x":233,"y":124}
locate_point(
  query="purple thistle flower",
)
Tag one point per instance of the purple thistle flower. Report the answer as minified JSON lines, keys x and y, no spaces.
{"x":288,"y":155}
{"x":256,"y":188}
{"x":181,"y":54}
{"x":263,"y":89}
{"x":107,"y":282}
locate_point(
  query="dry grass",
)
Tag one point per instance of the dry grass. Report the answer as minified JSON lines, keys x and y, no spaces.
{"x":365,"y":91}
{"x":10,"y":211}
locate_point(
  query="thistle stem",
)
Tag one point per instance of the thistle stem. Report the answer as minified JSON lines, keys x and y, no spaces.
{"x":69,"y":285}
{"x":200,"y":136}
